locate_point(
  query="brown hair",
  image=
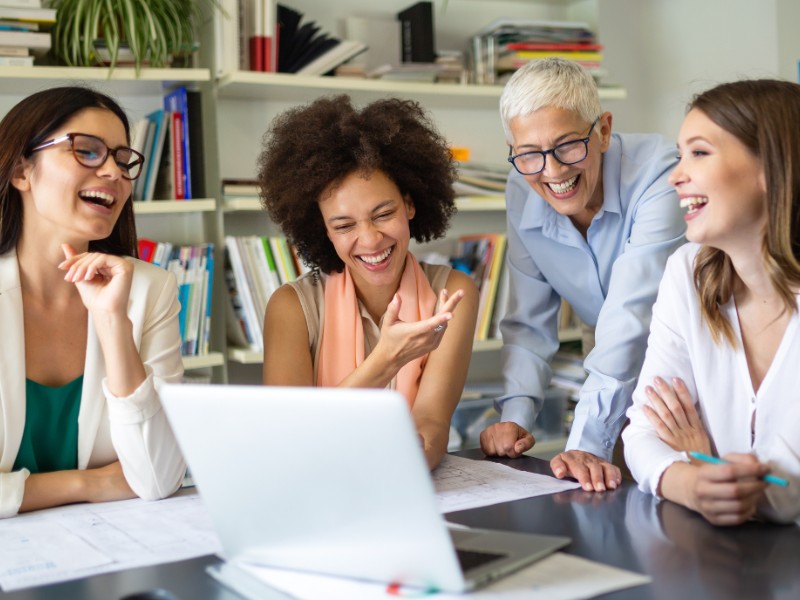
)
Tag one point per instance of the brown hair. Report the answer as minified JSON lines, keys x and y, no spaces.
{"x":309,"y":149}
{"x":760,"y":114}
{"x":30,"y":123}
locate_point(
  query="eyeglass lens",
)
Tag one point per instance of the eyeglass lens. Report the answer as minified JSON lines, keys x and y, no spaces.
{"x":92,"y":152}
{"x":567,"y":153}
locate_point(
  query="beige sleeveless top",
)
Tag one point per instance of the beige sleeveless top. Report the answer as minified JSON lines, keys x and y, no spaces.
{"x":310,"y":289}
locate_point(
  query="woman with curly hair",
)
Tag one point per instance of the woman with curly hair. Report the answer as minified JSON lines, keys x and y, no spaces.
{"x":350,"y":188}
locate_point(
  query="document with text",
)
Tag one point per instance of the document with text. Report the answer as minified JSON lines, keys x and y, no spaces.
{"x":77,"y":541}
{"x":463,"y":483}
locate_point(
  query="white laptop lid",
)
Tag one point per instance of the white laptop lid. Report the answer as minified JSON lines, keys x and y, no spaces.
{"x":315,"y":479}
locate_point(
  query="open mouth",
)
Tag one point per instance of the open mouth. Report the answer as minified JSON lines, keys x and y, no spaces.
{"x":692,"y":204}
{"x":376,"y":259}
{"x":99,"y":198}
{"x":564,"y":187}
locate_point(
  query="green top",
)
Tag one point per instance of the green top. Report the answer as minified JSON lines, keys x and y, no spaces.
{"x":50,"y":439}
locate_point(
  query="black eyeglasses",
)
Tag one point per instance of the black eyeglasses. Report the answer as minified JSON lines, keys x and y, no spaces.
{"x":92,"y":152}
{"x":568,"y":153}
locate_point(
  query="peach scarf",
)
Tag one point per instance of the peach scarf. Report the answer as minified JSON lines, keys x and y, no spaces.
{"x":342,"y":343}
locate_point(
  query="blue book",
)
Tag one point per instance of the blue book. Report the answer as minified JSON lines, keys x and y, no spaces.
{"x":177,"y":101}
{"x":154,"y":154}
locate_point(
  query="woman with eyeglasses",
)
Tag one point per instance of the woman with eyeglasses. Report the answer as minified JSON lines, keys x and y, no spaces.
{"x":350,"y":188}
{"x":88,"y":332}
{"x":591,"y":220}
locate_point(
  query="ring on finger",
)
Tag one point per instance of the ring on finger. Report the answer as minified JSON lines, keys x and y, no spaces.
{"x":438,"y":328}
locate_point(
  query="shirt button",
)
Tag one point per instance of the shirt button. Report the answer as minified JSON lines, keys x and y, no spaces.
{"x":608,"y":443}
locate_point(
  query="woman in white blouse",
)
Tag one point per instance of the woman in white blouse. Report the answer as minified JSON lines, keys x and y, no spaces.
{"x":722,"y":370}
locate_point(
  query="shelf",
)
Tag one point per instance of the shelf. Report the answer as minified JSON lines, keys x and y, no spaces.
{"x":245,"y":356}
{"x":480,"y":203}
{"x":241,"y":204}
{"x":463,"y":203}
{"x":27,"y":80}
{"x":298,"y":88}
{"x":203,"y":361}
{"x":160,"y":207}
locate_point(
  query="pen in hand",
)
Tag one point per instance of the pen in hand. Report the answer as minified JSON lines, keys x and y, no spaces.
{"x":719,"y":461}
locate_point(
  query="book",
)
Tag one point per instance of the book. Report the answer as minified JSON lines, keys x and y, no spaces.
{"x":16,"y":61}
{"x":14,"y":51}
{"x":299,"y":43}
{"x":417,"y":33}
{"x":332,"y":58}
{"x":140,"y":130}
{"x":21,"y":3}
{"x":196,"y":155}
{"x":177,"y":102}
{"x":33,"y":15}
{"x":153,"y":161}
{"x":32,"y":40}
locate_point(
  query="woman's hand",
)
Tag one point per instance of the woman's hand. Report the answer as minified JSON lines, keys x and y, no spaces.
{"x":728,"y":494}
{"x":403,"y":342}
{"x":103,"y":280}
{"x":103,"y":484}
{"x":673,"y":415}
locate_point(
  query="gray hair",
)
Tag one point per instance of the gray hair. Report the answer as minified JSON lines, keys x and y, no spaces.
{"x":549,"y":82}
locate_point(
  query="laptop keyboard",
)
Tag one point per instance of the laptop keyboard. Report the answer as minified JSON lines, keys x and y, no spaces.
{"x":470,"y":559}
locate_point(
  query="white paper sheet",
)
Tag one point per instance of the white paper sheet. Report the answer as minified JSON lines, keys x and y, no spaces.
{"x":557,"y":577}
{"x":69,"y":542}
{"x":462,"y":483}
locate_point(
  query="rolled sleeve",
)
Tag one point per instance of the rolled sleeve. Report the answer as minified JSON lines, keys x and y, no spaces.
{"x":12,"y":490}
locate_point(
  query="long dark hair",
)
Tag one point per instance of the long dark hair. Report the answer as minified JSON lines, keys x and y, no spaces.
{"x":30,"y":123}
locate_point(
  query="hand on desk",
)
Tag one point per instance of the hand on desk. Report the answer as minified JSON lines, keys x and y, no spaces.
{"x":506,"y":439}
{"x":593,"y":473}
{"x":727,"y":494}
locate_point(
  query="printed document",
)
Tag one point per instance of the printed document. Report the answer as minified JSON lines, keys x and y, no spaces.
{"x":76,"y":541}
{"x":462,"y":483}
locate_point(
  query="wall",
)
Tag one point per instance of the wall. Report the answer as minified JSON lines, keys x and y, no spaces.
{"x":664,"y":51}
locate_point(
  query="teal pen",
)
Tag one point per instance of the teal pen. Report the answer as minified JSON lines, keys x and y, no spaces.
{"x":718,"y":461}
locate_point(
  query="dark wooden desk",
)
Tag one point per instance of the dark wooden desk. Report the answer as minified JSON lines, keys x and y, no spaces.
{"x":687,"y":558}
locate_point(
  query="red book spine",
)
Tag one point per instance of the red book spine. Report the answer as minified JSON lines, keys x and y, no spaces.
{"x":257,"y":53}
{"x":177,"y":156}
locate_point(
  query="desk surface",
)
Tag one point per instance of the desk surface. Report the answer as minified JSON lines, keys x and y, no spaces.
{"x":686,"y":557}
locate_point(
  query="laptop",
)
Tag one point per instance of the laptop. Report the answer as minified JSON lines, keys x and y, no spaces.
{"x":331,"y":481}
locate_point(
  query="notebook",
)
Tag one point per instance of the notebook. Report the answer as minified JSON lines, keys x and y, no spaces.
{"x":331,"y":481}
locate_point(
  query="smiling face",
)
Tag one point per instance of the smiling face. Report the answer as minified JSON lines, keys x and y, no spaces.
{"x":572,"y":190}
{"x":721,"y":185}
{"x":367,"y":220}
{"x":66,"y":201}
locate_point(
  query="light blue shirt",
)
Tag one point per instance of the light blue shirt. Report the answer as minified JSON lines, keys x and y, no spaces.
{"x":610,"y":279}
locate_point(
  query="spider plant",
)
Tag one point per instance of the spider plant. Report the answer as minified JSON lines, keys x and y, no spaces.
{"x":154,"y":30}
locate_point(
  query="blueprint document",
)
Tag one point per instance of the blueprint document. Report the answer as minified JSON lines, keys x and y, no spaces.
{"x":462,"y":483}
{"x":87,"y":539}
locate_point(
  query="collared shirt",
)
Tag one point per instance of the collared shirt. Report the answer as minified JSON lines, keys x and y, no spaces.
{"x":610,"y":279}
{"x":737,"y":418}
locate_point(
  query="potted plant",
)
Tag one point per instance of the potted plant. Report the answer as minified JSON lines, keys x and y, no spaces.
{"x":144,"y":32}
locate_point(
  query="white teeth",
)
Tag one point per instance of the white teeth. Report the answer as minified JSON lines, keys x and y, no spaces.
{"x":379,"y":258}
{"x":564,"y":186}
{"x":104,"y":198}
{"x":693,"y":203}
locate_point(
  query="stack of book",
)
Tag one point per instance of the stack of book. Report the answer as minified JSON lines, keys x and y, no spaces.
{"x":24,"y":31}
{"x":255,"y":266}
{"x":476,"y":179}
{"x":505,"y":45}
{"x":171,"y":140}
{"x":193,"y":267}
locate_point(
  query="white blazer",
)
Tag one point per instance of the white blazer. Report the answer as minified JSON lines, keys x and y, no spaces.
{"x":134,"y":429}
